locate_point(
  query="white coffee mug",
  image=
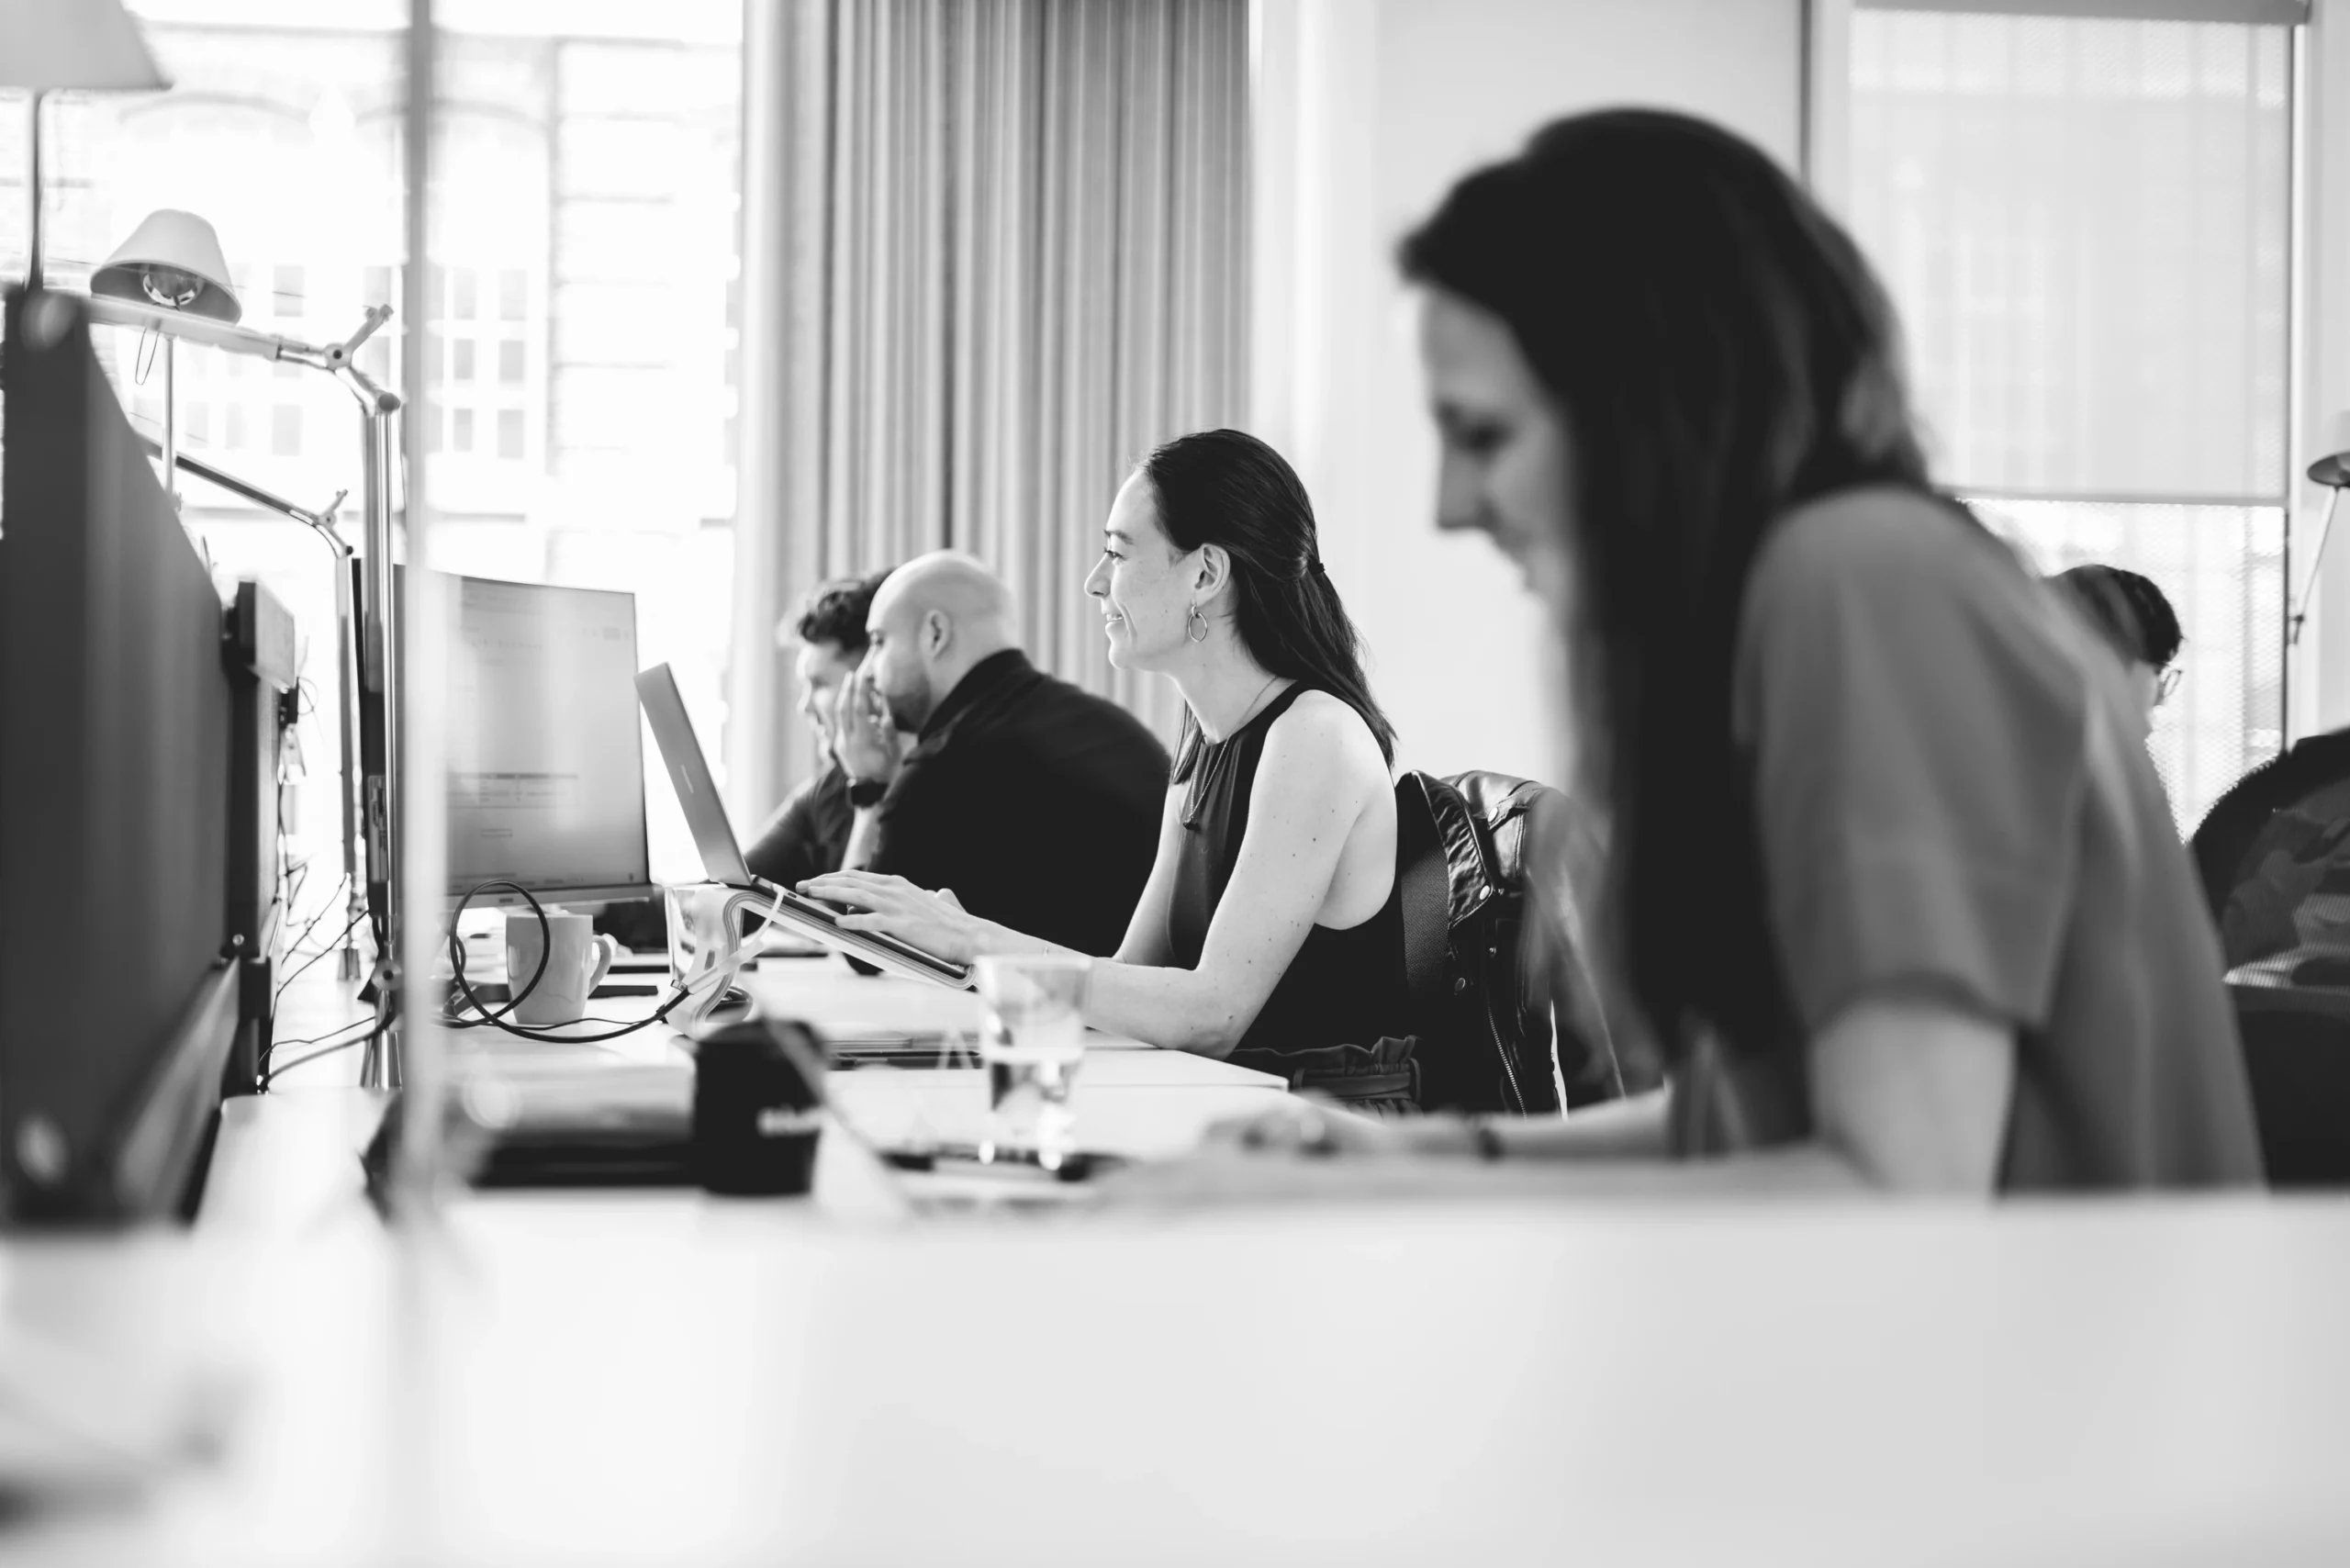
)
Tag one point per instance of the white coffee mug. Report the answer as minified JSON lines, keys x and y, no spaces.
{"x":578,"y":960}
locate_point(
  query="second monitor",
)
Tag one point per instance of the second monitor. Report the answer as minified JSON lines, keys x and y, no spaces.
{"x":546,"y":775}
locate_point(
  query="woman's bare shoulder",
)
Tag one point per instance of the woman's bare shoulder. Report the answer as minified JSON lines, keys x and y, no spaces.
{"x":1321,"y":740}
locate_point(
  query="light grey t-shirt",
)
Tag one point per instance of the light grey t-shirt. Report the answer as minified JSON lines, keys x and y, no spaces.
{"x":1951,"y":796}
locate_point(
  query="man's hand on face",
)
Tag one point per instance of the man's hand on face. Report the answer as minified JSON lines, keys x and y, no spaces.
{"x":825,"y":716}
{"x":864,"y":739}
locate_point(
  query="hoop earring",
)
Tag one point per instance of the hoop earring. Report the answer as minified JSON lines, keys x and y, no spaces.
{"x":1196,"y":626}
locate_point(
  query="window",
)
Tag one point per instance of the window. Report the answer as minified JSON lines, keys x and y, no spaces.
{"x":582,"y":230}
{"x":2085,"y":226}
{"x":585,"y":209}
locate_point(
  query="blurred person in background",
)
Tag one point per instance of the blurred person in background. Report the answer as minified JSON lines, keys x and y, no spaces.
{"x":1889,"y":876}
{"x":2137,"y":623}
{"x":809,"y":833}
{"x":975,"y":773}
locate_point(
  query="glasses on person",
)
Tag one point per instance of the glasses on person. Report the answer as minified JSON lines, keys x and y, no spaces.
{"x":2166,"y":682}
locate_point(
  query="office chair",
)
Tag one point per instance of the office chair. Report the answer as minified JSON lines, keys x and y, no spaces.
{"x":2299,"y":1066}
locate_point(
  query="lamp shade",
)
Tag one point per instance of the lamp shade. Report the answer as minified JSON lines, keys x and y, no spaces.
{"x":2334,"y":468}
{"x":46,"y":44}
{"x":172,"y":259}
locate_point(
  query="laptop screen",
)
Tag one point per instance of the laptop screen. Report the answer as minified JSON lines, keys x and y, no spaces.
{"x":672,"y":732}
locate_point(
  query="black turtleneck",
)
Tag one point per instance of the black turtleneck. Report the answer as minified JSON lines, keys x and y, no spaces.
{"x":1037,"y":802}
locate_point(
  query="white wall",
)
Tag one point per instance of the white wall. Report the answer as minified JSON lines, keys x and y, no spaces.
{"x":1365,"y":111}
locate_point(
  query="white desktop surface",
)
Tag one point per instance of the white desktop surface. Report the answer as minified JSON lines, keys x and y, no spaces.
{"x":289,"y":1159}
{"x":2130,"y":1384}
{"x":825,"y":991}
{"x":664,"y":1376}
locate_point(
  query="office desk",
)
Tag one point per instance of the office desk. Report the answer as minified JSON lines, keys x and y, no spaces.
{"x":2140,"y":1385}
{"x":648,"y":1376}
{"x":290,"y":1158}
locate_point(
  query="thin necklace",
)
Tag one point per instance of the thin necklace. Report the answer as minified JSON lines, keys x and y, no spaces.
{"x":1254,"y":703}
{"x":1211,"y":756}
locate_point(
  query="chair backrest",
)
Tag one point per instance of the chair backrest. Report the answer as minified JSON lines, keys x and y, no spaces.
{"x":2223,"y":840}
{"x":2299,"y":1063}
{"x":1483,"y":1004}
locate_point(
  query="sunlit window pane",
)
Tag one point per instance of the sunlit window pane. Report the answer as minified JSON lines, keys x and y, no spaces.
{"x":2223,"y":570}
{"x":582,"y":218}
{"x":585,"y":202}
{"x":2086,"y":224}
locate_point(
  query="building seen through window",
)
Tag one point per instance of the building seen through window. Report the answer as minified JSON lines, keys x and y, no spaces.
{"x":579,"y":342}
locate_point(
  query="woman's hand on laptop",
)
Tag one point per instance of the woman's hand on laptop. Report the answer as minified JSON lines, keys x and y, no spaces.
{"x":936,"y":922}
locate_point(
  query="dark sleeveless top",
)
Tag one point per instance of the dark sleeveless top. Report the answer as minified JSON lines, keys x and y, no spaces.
{"x":1345,"y":987}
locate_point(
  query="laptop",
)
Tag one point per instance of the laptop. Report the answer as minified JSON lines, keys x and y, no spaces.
{"x":722,"y":853}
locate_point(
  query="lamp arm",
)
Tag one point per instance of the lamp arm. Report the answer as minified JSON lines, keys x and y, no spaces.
{"x":323,"y":521}
{"x":117,"y":312}
{"x":333,"y":358}
{"x":2293,"y":628}
{"x":373,"y":399}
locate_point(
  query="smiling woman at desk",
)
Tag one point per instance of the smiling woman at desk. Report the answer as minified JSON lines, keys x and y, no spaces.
{"x":1271,"y":931}
{"x":1891,"y":878}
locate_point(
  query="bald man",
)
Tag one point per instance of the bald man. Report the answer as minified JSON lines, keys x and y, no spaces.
{"x":1037,"y":802}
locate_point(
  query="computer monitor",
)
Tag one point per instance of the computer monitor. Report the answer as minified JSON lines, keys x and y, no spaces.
{"x":546,"y":774}
{"x":119,"y":983}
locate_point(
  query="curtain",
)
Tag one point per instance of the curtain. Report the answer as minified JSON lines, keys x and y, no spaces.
{"x":994,"y":251}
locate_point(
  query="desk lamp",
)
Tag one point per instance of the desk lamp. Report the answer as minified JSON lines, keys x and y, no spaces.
{"x":323,"y":524}
{"x":49,"y":44}
{"x":374,"y":653}
{"x":2333,"y":471}
{"x":172,"y":260}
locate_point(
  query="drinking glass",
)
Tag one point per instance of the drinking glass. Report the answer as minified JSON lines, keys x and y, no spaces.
{"x":1033,"y":1040}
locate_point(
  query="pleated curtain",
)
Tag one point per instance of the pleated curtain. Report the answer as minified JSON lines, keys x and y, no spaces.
{"x":994,"y":251}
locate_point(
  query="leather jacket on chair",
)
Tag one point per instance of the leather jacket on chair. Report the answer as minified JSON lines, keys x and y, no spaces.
{"x":1488,"y":973}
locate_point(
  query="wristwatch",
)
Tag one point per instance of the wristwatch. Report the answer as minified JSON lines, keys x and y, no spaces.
{"x":1485,"y":1143}
{"x":867,"y":792}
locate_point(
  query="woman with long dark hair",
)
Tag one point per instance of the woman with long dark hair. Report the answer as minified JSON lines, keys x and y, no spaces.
{"x":1890,"y":879}
{"x":1271,"y":930}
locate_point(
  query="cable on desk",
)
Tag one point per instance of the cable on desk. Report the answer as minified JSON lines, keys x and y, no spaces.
{"x":265,"y":1069}
{"x":313,"y":959}
{"x":497,"y":1020}
{"x":325,"y":910}
{"x":326,"y":1051}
